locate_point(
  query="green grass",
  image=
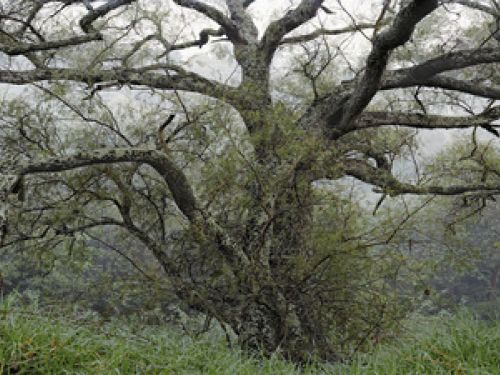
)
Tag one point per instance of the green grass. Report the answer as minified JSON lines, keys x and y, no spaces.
{"x":446,"y":345}
{"x":35,"y":343}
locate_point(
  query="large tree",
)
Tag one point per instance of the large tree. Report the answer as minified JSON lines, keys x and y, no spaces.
{"x":229,"y":211}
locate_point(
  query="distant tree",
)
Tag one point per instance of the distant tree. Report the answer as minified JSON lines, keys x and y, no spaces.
{"x":231,"y":197}
{"x":469,"y":227}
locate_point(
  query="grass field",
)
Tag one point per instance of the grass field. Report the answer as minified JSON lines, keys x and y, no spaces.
{"x":36,"y":343}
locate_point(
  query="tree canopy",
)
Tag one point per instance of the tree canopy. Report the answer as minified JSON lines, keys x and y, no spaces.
{"x":230,"y":171}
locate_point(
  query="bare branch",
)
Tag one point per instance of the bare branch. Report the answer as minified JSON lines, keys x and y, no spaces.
{"x":180,"y":80}
{"x":421,"y":121}
{"x":396,"y":35}
{"x":243,"y":22}
{"x":472,"y":88}
{"x":427,"y":73}
{"x":275,"y":32}
{"x":424,"y":74}
{"x":121,"y":253}
{"x":333,"y":114}
{"x":418,"y":74}
{"x":174,"y":177}
{"x":326,"y":32}
{"x":95,"y":13}
{"x":23,"y":48}
{"x":229,"y":27}
{"x":388,"y":184}
{"x":87,"y":3}
{"x":203,"y":39}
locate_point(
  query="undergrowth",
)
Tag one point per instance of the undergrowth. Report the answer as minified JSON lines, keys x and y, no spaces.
{"x":33,"y":341}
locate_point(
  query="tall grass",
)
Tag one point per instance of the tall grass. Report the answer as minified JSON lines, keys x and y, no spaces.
{"x":32,"y":342}
{"x":458,"y":344}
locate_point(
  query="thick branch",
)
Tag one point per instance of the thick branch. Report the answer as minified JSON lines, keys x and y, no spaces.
{"x":23,"y":48}
{"x":68,"y":2}
{"x":229,"y":27}
{"x":174,"y":177}
{"x":428,"y":73}
{"x":396,"y":35}
{"x":247,"y":3}
{"x":179,"y":80}
{"x":390,"y":185}
{"x":472,"y":88}
{"x":248,"y":31}
{"x":243,"y":21}
{"x":293,"y":19}
{"x":421,"y":121}
{"x":326,"y":32}
{"x":92,"y":15}
{"x":450,"y":61}
{"x":203,"y":39}
{"x":425,"y":74}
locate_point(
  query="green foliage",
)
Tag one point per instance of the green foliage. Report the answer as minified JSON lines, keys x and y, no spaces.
{"x":315,"y":270}
{"x":324,"y":239}
{"x":444,"y":345}
{"x":36,"y":342}
{"x":468,"y":258}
